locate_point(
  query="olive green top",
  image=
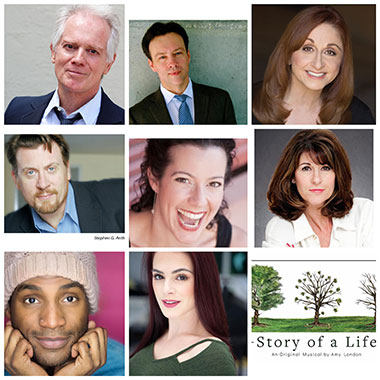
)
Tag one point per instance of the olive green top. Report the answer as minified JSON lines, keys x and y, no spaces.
{"x":216,"y":359}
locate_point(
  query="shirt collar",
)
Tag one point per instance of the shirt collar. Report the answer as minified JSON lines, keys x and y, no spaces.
{"x":303,"y":230}
{"x":70,"y":211}
{"x":89,"y":111}
{"x":168,"y":95}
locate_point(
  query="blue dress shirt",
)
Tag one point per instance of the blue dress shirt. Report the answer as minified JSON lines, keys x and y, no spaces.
{"x":89,"y":111}
{"x":173,"y":104}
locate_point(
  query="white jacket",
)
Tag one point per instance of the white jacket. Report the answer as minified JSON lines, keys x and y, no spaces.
{"x":353,"y":230}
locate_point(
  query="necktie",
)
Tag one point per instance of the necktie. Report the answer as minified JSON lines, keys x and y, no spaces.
{"x":64,"y":120}
{"x":184,"y":114}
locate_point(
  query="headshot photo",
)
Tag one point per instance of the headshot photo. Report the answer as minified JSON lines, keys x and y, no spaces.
{"x":188,"y":313}
{"x":65,"y":184}
{"x":65,"y":67}
{"x":188,"y":72}
{"x":318,"y":192}
{"x":62,"y":316}
{"x":188,"y":193}
{"x":313,"y":64}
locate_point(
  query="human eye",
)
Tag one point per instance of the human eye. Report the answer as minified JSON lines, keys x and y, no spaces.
{"x":215,"y":184}
{"x":93,"y":51}
{"x":306,"y":168}
{"x":51,"y":169}
{"x":182,"y":180}
{"x":331,"y":52}
{"x":182,"y":277}
{"x":68,"y":46}
{"x":31,"y":300}
{"x":157,"y":276}
{"x":326,"y":168}
{"x":70,"y":299}
{"x":30,"y":172}
{"x":307,"y":48}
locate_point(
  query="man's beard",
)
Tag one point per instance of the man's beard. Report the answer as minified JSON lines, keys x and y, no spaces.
{"x":55,"y":358}
{"x":48,"y":206}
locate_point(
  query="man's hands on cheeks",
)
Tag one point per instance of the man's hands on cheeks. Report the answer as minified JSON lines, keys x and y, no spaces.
{"x":89,"y":353}
{"x":18,"y":353}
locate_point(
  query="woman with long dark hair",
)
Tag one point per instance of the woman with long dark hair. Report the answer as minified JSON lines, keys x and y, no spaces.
{"x":309,"y":78}
{"x":311,"y":197}
{"x":181,"y":200}
{"x":187,"y":332}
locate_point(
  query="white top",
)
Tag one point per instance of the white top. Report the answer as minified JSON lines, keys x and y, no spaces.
{"x":89,"y":111}
{"x":353,"y":230}
{"x":173,"y":104}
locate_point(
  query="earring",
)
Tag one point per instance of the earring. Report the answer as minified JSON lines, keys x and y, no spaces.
{"x":293,"y":180}
{"x":154,"y":202}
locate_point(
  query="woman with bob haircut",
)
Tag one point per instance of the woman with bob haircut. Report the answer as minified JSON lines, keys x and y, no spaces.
{"x":181,"y":199}
{"x":187,"y":333}
{"x":309,"y":78}
{"x":310,"y":194}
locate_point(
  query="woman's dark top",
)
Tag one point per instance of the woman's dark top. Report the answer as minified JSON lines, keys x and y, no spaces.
{"x":224,"y":234}
{"x":360,"y":112}
{"x":214,"y":360}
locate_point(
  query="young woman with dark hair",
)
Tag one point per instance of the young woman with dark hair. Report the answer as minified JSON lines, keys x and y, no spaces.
{"x":309,"y":78}
{"x":181,"y":199}
{"x":310,"y":194}
{"x":187,"y":332}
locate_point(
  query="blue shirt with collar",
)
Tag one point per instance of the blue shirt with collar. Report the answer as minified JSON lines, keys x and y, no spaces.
{"x":68,"y":224}
{"x":89,"y":111}
{"x":173,"y":104}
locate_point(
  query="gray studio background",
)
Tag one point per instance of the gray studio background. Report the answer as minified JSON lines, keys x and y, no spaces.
{"x":270,"y":21}
{"x":269,"y":145}
{"x":27,"y":66}
{"x":218,"y":58}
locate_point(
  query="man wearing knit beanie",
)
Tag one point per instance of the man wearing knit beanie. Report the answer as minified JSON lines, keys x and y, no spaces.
{"x":48,"y":297}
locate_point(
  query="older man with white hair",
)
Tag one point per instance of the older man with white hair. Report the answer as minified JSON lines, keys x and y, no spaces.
{"x":83,"y":49}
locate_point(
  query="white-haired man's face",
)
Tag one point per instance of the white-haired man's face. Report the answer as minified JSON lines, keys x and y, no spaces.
{"x":80,"y":57}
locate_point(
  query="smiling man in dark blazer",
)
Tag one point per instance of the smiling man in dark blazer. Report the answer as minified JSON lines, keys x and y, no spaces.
{"x":178,"y":100}
{"x":41,"y":172}
{"x":83,"y":50}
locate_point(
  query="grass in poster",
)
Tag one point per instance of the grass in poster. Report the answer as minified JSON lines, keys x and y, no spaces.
{"x":331,"y":324}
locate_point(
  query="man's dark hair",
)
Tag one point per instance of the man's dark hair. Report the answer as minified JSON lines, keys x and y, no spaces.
{"x":160,"y":29}
{"x":33,"y":142}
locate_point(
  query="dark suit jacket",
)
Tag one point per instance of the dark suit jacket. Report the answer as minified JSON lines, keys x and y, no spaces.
{"x":212,"y":106}
{"x":100,"y":208}
{"x":30,"y":109}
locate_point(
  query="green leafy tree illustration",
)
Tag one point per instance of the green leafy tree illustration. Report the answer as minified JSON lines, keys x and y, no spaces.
{"x":368,"y":287}
{"x":266,"y":293}
{"x":316,"y":292}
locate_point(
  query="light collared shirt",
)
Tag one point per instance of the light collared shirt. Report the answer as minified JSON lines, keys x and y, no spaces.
{"x":68,"y":224}
{"x":89,"y":111}
{"x":353,"y":230}
{"x":173,"y":104}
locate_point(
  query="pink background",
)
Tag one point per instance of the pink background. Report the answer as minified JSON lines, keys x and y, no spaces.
{"x":110,"y":314}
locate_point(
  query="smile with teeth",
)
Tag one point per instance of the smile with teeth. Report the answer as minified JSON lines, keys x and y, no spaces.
{"x":190,"y":220}
{"x":170,"y":303}
{"x":316,"y":75}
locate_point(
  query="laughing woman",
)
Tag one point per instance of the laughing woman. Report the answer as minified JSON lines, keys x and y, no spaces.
{"x":187,"y":332}
{"x":182,"y":195}
{"x":309,"y":78}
